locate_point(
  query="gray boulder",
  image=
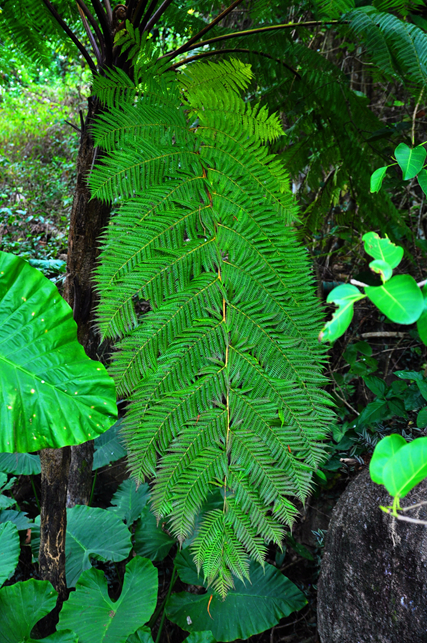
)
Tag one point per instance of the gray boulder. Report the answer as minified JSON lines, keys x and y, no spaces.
{"x":373,"y":581}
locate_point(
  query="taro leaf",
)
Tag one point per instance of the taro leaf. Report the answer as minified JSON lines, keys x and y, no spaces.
{"x":150,"y":539}
{"x":422,"y":418}
{"x":247,"y":609}
{"x":377,"y":178}
{"x":200,"y":637}
{"x":382,"y":268}
{"x":344,"y":296}
{"x":143,"y":635}
{"x":9,"y":550}
{"x":129,"y":501}
{"x":406,"y":468}
{"x":422,"y":180}
{"x":411,"y":160}
{"x":96,"y":618}
{"x":187,"y":570}
{"x":20,"y":464}
{"x":53,"y":394}
{"x":19,"y":518}
{"x":108,"y":447}
{"x":65,"y":636}
{"x":6,"y":502}
{"x":21,"y":606}
{"x":382,"y":249}
{"x":383,"y":452}
{"x":93,"y":532}
{"x":399,"y":299}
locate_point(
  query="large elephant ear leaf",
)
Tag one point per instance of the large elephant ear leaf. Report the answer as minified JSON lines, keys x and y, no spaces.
{"x":52,"y":394}
{"x":9,"y":550}
{"x":96,"y":618}
{"x":21,"y":606}
{"x":248,"y":609}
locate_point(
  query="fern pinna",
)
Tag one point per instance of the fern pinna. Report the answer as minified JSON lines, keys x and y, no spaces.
{"x":223,"y":372}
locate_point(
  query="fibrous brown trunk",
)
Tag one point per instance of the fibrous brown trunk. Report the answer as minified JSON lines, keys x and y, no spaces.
{"x":88,"y":218}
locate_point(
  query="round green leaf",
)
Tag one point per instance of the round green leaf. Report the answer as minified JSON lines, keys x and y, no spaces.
{"x":422,"y":180}
{"x":382,"y":268}
{"x":383,"y":452}
{"x":20,"y":464}
{"x":247,"y":610}
{"x":406,"y":468}
{"x":21,"y":606}
{"x":53,"y":394}
{"x":377,"y":179}
{"x":93,"y":532}
{"x":108,"y":447}
{"x":382,"y":249}
{"x":399,"y":299}
{"x":344,"y":296}
{"x":150,"y":539}
{"x":92,"y":614}
{"x":411,"y":160}
{"x":9,"y":550}
{"x":129,"y":501}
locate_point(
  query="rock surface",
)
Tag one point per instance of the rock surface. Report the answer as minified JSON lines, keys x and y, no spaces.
{"x":373,"y":581}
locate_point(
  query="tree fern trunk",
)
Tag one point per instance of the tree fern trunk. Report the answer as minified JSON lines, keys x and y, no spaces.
{"x":88,"y":218}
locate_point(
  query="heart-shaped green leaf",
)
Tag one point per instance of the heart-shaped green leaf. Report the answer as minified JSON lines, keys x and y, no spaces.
{"x":422,"y":180}
{"x":399,"y":299}
{"x":247,"y":609}
{"x":108,"y":447}
{"x":20,"y":464}
{"x":150,"y":539}
{"x":411,"y":160}
{"x":344,"y":296}
{"x":21,"y":606}
{"x":9,"y":550}
{"x":382,"y":268}
{"x":52,"y":394}
{"x":93,"y":532}
{"x":96,"y":618}
{"x":377,"y":179}
{"x":129,"y":501}
{"x":383,"y":452}
{"x":406,"y":468}
{"x":382,"y":249}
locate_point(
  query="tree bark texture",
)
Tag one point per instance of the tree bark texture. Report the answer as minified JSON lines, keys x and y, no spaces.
{"x":53,"y":524}
{"x":373,"y":581}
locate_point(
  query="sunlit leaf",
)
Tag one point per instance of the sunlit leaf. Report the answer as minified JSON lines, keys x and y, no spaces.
{"x":377,"y":179}
{"x":411,"y":160}
{"x":382,"y":249}
{"x":382,"y":268}
{"x":344,"y":296}
{"x":383,"y":452}
{"x":422,"y":180}
{"x":406,"y":468}
{"x":399,"y":299}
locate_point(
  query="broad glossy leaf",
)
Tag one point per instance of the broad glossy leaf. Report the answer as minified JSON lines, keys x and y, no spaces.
{"x":377,"y":178}
{"x":53,"y":394}
{"x":21,"y":606}
{"x":422,"y":320}
{"x":20,"y":464}
{"x":150,"y":539}
{"x":19,"y":518}
{"x":399,"y":299}
{"x":383,"y":452}
{"x":143,"y":635}
{"x":406,"y":468}
{"x":411,"y":160}
{"x":247,"y":610}
{"x":96,"y":618}
{"x":382,"y":249}
{"x":108,"y":447}
{"x":200,"y":637}
{"x":422,"y":180}
{"x":93,"y":532}
{"x":9,"y":550}
{"x":129,"y":501}
{"x":382,"y":268}
{"x":65,"y":636}
{"x":422,"y":418}
{"x":344,"y":296}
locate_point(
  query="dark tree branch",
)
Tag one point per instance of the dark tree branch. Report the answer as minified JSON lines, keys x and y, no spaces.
{"x":102,"y":17}
{"x":206,"y":54}
{"x":96,"y":29}
{"x":130,"y":9}
{"x":106,"y":26}
{"x":208,"y":27}
{"x":70,"y":34}
{"x":160,"y":11}
{"x":90,"y":35}
{"x":249,"y":32}
{"x":109,"y":12}
{"x":147,"y":15}
{"x":140,"y":8}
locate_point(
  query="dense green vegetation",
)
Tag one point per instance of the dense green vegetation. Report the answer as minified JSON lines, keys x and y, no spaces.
{"x":222,"y":166}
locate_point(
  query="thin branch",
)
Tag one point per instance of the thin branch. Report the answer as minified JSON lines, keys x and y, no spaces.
{"x":416,"y":521}
{"x":208,"y":27}
{"x":92,"y":20}
{"x":420,"y":284}
{"x":102,"y":17}
{"x":358,"y":283}
{"x":90,"y":35}
{"x":109,"y":12}
{"x":160,"y":11}
{"x":137,"y":15}
{"x":70,"y":34}
{"x":205,"y":54}
{"x":147,"y":15}
{"x":249,"y":32}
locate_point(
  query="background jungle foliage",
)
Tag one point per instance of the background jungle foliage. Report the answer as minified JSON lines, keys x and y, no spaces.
{"x":346,"y":80}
